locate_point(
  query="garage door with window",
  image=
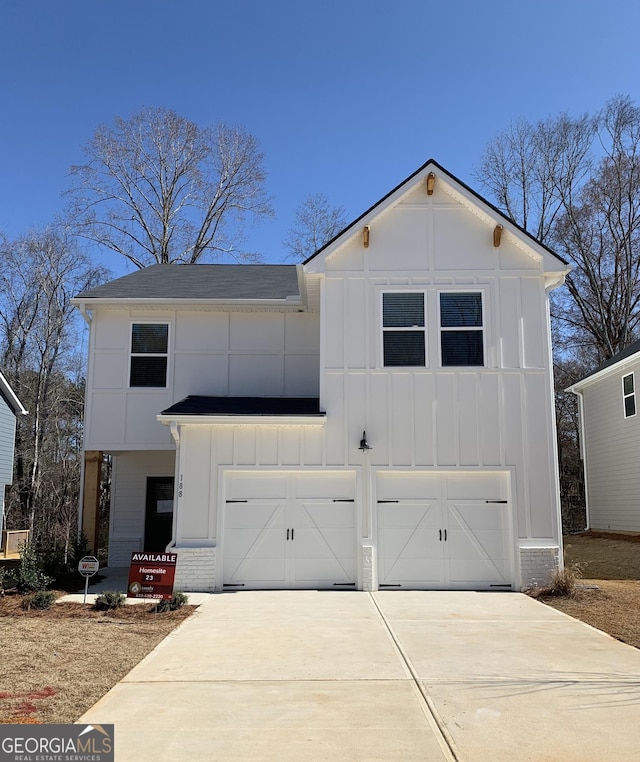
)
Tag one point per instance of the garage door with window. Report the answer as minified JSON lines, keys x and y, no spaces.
{"x":444,"y":531}
{"x":289,"y":530}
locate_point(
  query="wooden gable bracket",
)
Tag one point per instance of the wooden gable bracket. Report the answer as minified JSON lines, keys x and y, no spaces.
{"x":431,"y":183}
{"x":497,"y":235}
{"x":365,"y":236}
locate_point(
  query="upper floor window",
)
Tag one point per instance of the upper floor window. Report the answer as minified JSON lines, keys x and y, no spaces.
{"x":149,"y":353}
{"x":461,"y":328}
{"x":403,"y":328}
{"x":629,"y":395}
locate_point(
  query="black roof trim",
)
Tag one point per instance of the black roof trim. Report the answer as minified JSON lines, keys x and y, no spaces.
{"x":624,"y":354}
{"x":455,"y":179}
{"x":268,"y":406}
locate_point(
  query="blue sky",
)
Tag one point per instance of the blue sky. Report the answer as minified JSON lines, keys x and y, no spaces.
{"x":346,"y":97}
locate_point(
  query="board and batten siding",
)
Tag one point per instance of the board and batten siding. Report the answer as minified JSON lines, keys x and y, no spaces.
{"x":206,"y":450}
{"x":500,"y":415}
{"x":210,"y":353}
{"x":612,"y":443}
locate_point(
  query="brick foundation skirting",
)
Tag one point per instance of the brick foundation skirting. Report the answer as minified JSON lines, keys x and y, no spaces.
{"x":195,"y":570}
{"x":538,"y":564}
{"x":368,"y":569}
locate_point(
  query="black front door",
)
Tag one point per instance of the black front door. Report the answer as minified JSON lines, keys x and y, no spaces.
{"x":159,"y":513}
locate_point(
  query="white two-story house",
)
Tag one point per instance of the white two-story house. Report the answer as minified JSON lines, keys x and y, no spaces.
{"x":380,"y":416}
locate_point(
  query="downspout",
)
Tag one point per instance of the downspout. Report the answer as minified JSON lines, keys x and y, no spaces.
{"x":86,"y":314}
{"x":175,"y":434}
{"x":550,"y":285}
{"x":583,"y":456}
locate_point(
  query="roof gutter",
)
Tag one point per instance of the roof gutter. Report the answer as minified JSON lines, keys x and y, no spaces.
{"x":11,"y":397}
{"x":556,"y":279}
{"x":290,"y":301}
{"x":621,"y":365}
{"x":82,"y":306}
{"x":318,"y":420}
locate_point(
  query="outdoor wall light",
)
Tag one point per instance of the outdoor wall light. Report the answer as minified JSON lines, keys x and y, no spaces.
{"x":365,"y":236}
{"x":497,"y":235}
{"x":364,"y":445}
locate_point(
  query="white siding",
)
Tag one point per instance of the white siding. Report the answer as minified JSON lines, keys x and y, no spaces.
{"x":7,"y":443}
{"x":128,"y":499}
{"x":612,"y":443}
{"x":206,"y":450}
{"x":210,"y":353}
{"x":500,"y":415}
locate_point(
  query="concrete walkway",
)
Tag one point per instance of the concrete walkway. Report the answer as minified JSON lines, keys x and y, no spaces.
{"x":307,"y":675}
{"x":115,"y":579}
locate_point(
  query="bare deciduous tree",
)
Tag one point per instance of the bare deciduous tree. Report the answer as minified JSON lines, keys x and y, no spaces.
{"x":316,"y":223}
{"x":158,"y":188}
{"x":575,"y":185}
{"x":39,"y":353}
{"x":532,"y":170}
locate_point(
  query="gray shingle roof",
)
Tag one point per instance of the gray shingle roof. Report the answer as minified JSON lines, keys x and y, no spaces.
{"x":201,"y":282}
{"x":200,"y":405}
{"x":625,"y":353}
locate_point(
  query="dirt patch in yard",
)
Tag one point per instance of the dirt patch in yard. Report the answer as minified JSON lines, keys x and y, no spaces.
{"x":604,"y":556}
{"x":614,"y":607}
{"x":57,"y":663}
{"x":608,"y":595}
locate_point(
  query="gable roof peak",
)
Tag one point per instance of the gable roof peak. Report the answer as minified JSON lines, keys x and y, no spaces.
{"x":404,"y":187}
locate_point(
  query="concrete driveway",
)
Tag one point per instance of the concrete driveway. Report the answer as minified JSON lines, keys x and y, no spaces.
{"x":309,"y":675}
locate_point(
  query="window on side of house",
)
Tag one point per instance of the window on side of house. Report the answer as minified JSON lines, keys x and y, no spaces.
{"x":461,"y":329}
{"x":629,"y":395}
{"x":403,"y":328}
{"x":149,"y":354}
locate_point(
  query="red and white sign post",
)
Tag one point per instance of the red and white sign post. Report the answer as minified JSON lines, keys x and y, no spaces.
{"x":88,"y":566}
{"x":151,"y":575}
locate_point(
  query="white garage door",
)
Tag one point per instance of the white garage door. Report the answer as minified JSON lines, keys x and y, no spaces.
{"x":444,"y":531}
{"x":291,"y":530}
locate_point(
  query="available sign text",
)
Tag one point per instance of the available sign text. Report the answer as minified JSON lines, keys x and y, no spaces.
{"x":151,"y":575}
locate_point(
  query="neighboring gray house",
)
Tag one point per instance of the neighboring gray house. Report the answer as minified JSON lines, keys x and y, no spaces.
{"x":10,"y":407}
{"x":610,"y":440}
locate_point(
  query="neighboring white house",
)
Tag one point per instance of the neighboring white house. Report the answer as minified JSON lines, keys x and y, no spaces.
{"x":10,"y":407}
{"x":379,"y":416}
{"x":610,"y":441}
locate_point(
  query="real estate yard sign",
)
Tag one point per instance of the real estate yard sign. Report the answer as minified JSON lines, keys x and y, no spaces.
{"x":151,"y":575}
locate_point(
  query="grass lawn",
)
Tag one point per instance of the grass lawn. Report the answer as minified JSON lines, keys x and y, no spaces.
{"x":57,"y":663}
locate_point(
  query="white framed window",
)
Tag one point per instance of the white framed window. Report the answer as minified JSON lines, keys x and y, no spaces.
{"x":461,"y":328}
{"x":404,"y":340}
{"x":149,"y":355}
{"x":629,"y":395}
